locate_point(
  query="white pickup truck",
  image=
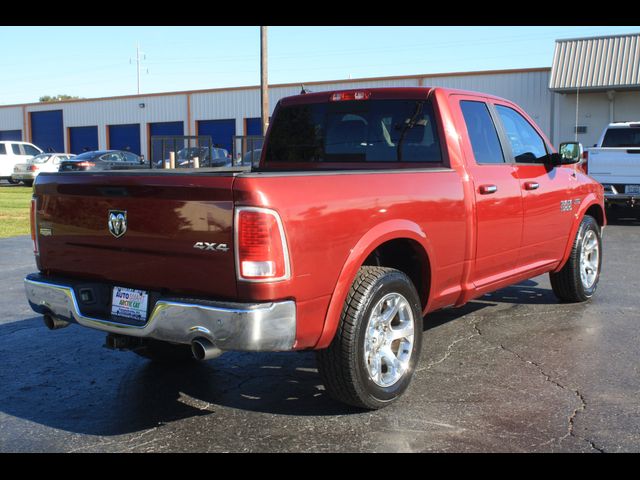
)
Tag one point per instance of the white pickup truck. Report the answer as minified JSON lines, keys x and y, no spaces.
{"x":615,"y":162}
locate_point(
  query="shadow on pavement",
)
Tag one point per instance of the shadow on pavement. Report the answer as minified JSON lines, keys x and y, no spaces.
{"x":64,"y":379}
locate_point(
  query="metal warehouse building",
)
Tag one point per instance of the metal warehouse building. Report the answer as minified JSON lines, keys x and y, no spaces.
{"x":598,"y":75}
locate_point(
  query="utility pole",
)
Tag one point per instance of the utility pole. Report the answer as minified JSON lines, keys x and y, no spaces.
{"x":138,"y":55}
{"x":264,"y":84}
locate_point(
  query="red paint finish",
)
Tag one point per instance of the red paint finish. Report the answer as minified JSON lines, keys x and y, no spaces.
{"x":475,"y":228}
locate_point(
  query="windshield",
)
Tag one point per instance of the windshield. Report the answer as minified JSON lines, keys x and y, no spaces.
{"x":40,"y":158}
{"x":190,"y":153}
{"x":622,"y":137}
{"x":355,"y":131}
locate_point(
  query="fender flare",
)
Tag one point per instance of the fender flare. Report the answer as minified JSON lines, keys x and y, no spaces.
{"x":381,"y":233}
{"x":589,"y":201}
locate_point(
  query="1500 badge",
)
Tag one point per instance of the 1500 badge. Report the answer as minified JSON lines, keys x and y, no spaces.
{"x":216,"y":247}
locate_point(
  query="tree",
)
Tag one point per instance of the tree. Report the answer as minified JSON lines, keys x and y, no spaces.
{"x":57,"y":98}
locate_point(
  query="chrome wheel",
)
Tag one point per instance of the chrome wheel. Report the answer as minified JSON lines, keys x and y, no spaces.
{"x":388,"y":341}
{"x":589,"y":259}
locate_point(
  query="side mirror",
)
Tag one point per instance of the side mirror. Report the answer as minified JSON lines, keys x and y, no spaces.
{"x":570,"y":152}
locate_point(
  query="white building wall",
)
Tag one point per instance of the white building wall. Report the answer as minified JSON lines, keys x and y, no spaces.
{"x":527,"y":89}
{"x":595,"y":111}
{"x":100,"y":113}
{"x":11,"y":119}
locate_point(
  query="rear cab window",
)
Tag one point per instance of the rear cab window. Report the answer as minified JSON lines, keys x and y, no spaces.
{"x":370,"y":133}
{"x":621,"y":137}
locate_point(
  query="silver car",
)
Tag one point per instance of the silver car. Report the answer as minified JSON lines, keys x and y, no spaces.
{"x":45,"y":162}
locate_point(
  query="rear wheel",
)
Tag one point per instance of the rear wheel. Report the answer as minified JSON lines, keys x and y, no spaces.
{"x":28,"y":183}
{"x":578,"y":279}
{"x":373,"y":355}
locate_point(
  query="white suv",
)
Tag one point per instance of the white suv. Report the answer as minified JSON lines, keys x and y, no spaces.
{"x":13,"y":152}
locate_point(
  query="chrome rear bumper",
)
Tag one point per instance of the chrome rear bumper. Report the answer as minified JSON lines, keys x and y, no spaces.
{"x":228,"y":326}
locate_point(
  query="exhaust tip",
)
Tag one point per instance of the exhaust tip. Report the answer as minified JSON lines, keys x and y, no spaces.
{"x":53,"y":323}
{"x":203,"y":349}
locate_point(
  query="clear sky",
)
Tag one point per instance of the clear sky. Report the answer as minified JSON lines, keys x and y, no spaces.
{"x":95,"y":61}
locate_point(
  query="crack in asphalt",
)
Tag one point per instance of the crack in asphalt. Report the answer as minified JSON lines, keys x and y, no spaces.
{"x":580,"y":408}
{"x":475,"y":320}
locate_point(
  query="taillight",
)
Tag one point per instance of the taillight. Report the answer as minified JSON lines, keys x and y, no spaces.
{"x":260,"y":247}
{"x":585,"y":162}
{"x":34,"y":234}
{"x":34,"y":168}
{"x":342,"y":96}
{"x":86,"y":164}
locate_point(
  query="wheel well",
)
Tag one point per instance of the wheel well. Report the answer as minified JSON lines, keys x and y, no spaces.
{"x":409,"y":257}
{"x":596,"y":212}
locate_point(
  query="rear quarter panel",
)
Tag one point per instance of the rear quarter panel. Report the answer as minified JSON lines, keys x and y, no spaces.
{"x":335,"y":219}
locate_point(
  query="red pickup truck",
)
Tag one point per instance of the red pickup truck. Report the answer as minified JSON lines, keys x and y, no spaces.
{"x":369,"y":209}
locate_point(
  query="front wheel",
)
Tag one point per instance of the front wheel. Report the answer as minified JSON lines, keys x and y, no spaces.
{"x":578,"y":279}
{"x":373,"y":355}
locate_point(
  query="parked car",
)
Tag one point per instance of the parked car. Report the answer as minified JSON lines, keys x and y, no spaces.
{"x":615,"y":162}
{"x":12,"y":153}
{"x":102,"y":160}
{"x":214,"y":157}
{"x":251,"y":158}
{"x":45,"y":162}
{"x":369,"y":209}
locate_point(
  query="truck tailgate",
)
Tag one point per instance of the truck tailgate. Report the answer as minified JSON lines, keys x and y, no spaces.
{"x":615,"y":165}
{"x":167,"y":215}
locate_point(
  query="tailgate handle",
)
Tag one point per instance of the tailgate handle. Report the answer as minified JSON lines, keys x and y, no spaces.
{"x":531,"y":185}
{"x":488,"y":189}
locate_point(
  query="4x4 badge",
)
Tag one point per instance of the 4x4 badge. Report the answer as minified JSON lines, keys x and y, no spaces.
{"x":117,"y":222}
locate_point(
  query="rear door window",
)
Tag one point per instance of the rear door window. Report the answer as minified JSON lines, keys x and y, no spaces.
{"x":365,"y":131}
{"x":30,"y":150}
{"x":622,"y":137}
{"x":3,"y":149}
{"x":131,"y":157}
{"x":15,"y":148}
{"x":482,"y":132}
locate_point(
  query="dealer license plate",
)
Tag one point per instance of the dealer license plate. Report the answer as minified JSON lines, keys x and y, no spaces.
{"x":632,"y":189}
{"x":129,"y":303}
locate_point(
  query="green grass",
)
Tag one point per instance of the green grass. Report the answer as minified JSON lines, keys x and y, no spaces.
{"x":15,"y":203}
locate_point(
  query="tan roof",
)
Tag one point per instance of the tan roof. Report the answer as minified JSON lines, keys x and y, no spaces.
{"x":598,"y":63}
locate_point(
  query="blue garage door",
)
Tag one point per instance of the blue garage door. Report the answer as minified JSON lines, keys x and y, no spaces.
{"x":221,"y":131}
{"x":83,"y":139}
{"x":125,"y":137}
{"x":11,"y":135}
{"x":163,"y":128}
{"x":253,"y":126}
{"x":47,"y":131}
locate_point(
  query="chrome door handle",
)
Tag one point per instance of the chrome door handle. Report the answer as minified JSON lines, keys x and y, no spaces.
{"x":488,"y":189}
{"x":531,"y":185}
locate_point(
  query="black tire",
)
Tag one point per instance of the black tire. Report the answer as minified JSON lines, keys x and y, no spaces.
{"x":165,"y":352}
{"x":28,"y":183}
{"x":342,"y":365}
{"x":567,"y":284}
{"x":12,"y":181}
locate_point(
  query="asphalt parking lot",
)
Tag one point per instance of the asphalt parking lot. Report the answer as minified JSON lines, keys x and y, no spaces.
{"x":513,"y":372}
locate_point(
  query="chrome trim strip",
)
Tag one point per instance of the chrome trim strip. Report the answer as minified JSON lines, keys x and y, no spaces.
{"x":253,"y":327}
